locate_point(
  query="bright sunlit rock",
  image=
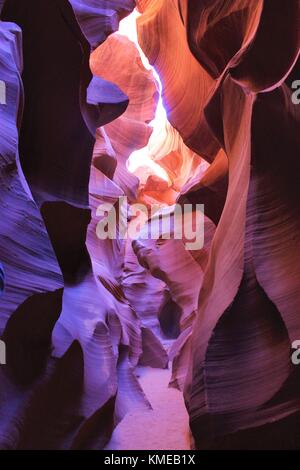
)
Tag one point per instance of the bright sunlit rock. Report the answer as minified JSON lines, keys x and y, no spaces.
{"x":142,"y":158}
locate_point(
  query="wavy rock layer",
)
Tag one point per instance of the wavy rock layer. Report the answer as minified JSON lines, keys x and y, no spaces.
{"x":78,"y":313}
{"x":240,"y":375}
{"x":180,"y":167}
{"x":25,"y":250}
{"x":73,"y":398}
{"x":118,"y":60}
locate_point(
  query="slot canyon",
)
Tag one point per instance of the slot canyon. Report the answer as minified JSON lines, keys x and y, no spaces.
{"x":120,"y":119}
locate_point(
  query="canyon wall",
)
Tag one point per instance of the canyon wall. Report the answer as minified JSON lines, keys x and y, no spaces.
{"x":72,"y":338}
{"x":224,"y":67}
{"x":78,"y":314}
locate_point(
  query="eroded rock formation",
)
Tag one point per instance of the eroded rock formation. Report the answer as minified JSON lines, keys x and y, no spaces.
{"x":80,"y":313}
{"x":235,"y":56}
{"x":96,"y":334}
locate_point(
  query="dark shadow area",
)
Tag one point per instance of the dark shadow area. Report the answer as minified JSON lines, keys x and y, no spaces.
{"x":169,"y":319}
{"x":52,"y":415}
{"x":28,"y":336}
{"x":67,"y":226}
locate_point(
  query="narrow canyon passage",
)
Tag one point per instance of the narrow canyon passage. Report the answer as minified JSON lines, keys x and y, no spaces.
{"x":150,"y":230}
{"x":162,"y":167}
{"x":164,"y":427}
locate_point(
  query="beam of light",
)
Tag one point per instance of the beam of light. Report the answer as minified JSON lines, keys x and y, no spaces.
{"x":142,"y":157}
{"x":128,"y":28}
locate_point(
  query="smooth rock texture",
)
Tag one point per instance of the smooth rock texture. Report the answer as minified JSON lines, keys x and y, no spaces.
{"x":32,"y":275}
{"x":240,"y":374}
{"x":88,"y":332}
{"x":95,"y":328}
{"x":118,"y":60}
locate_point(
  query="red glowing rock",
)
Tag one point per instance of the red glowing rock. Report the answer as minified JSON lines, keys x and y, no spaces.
{"x":240,"y":373}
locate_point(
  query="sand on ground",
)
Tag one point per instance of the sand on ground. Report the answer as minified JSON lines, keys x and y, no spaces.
{"x":165,"y":427}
